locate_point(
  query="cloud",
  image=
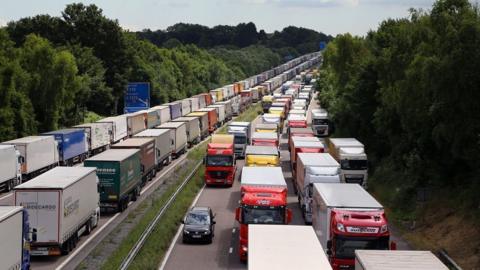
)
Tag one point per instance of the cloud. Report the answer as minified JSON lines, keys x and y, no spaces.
{"x":3,"y":22}
{"x":306,"y":3}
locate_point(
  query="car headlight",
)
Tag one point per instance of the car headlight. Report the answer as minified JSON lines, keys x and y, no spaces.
{"x":186,"y":232}
{"x":207,"y":232}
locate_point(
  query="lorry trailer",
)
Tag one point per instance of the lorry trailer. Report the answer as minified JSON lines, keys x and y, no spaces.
{"x":212,"y":118}
{"x":146,"y":146}
{"x":136,"y":122}
{"x":62,"y":205}
{"x":178,"y":137}
{"x":163,"y":112}
{"x":38,"y":153}
{"x":203,"y":121}
{"x":397,"y":259}
{"x":266,"y":128}
{"x":175,"y":109}
{"x":16,"y":236}
{"x":163,"y":151}
{"x":221,"y":113}
{"x":10,"y":166}
{"x":265,"y":139}
{"x":273,"y":247}
{"x":118,"y":126}
{"x":98,"y":136}
{"x":192,"y":125}
{"x":120,"y":177}
{"x":262,"y":156}
{"x":346,"y":218}
{"x":72,"y":145}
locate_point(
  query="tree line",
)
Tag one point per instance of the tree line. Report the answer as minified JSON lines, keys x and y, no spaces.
{"x":410,"y":92}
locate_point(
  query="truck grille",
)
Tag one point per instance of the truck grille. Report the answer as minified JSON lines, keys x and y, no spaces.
{"x":219,"y":175}
{"x":354,"y":180}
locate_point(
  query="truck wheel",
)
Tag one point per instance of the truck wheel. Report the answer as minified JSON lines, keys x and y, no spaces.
{"x":65,"y":248}
{"x":8,"y":186}
{"x":88,"y":227}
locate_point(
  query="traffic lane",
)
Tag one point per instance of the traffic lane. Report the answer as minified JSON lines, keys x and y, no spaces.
{"x":223,"y":202}
{"x":7,"y":199}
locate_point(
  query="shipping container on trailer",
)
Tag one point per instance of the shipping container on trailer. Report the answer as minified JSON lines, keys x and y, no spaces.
{"x":118,"y":126}
{"x":71,"y":144}
{"x":203,"y":120}
{"x":164,"y":113}
{"x":98,"y":136}
{"x":39,"y":154}
{"x":162,"y":145}
{"x":186,"y":109}
{"x":136,"y":122}
{"x":62,"y":204}
{"x":175,"y":109}
{"x":193,"y":129}
{"x":120,"y":177}
{"x":178,"y":137}
{"x":147,"y":154}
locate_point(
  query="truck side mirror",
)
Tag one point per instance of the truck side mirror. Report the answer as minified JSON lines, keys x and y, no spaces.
{"x":289,"y":215}
{"x":393,"y":245}
{"x":237,"y":214}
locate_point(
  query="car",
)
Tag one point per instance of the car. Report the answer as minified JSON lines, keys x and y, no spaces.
{"x":199,"y":225}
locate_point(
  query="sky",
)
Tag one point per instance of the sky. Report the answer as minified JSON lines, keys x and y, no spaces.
{"x":327,"y":16}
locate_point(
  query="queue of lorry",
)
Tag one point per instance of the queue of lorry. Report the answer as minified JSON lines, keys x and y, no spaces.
{"x":56,"y":202}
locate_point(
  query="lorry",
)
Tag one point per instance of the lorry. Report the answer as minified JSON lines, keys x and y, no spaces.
{"x":273,"y":247}
{"x":350,"y":153}
{"x":262,"y":156}
{"x":300,"y":104}
{"x":255,"y":95}
{"x":212,"y":118}
{"x":10,"y":166}
{"x":270,"y":118}
{"x":299,"y":132}
{"x":313,"y":168}
{"x":263,"y":201}
{"x":228,"y":109}
{"x":120,"y":177}
{"x":304,"y":145}
{"x":186,"y":109}
{"x":398,"y":259}
{"x":37,"y":153}
{"x":163,"y":112}
{"x":62,"y":205}
{"x":221,"y":115}
{"x":242,"y":133}
{"x":246,"y":96}
{"x":205,"y":99}
{"x":16,"y":237}
{"x":136,"y":122}
{"x":266,"y":103}
{"x":71,"y":144}
{"x":346,"y":218}
{"x":320,"y":123}
{"x":194,"y":103}
{"x":217,"y":95}
{"x":236,"y":106}
{"x":163,"y":151}
{"x":266,"y":128}
{"x":178,"y":137}
{"x":175,"y":109}
{"x":299,"y":112}
{"x":265,"y":139}
{"x":118,"y":127}
{"x":203,"y":122}
{"x":147,"y":149}
{"x":98,"y":136}
{"x":220,"y":167}
{"x":193,"y":129}
{"x":296,"y":121}
{"x":152,"y":117}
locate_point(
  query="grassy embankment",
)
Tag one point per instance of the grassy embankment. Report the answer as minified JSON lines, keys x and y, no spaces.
{"x":157,"y":244}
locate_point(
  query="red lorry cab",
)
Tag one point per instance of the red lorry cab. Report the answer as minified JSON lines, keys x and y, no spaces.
{"x":220,"y":164}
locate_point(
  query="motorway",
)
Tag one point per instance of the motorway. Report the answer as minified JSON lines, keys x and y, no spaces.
{"x":223,"y":252}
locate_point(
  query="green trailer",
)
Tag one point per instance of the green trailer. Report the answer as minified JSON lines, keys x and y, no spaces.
{"x":120,"y":176}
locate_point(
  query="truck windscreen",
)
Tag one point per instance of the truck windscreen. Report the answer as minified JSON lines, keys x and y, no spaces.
{"x":345,"y":246}
{"x":354,"y":164}
{"x":263,"y":215}
{"x":239,"y":140}
{"x":219,"y":161}
{"x":318,"y":122}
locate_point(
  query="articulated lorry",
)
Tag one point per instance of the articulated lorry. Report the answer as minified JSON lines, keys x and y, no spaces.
{"x":62,"y":205}
{"x":221,"y":113}
{"x":265,"y":139}
{"x":193,"y":129}
{"x":267,"y":103}
{"x":220,"y":167}
{"x":313,"y":168}
{"x":263,"y":201}
{"x":266,"y":128}
{"x":346,"y":218}
{"x":262,"y":156}
{"x":296,"y":121}
{"x":136,"y":122}
{"x":72,"y":145}
{"x":304,"y":145}
{"x":98,"y":136}
{"x":241,"y":132}
{"x":120,"y":175}
{"x":38,"y":153}
{"x":212,"y":118}
{"x":178,"y":137}
{"x":118,"y":126}
{"x":285,"y":248}
{"x":350,"y":153}
{"x":146,"y":146}
{"x":16,"y":236}
{"x":163,"y":151}
{"x":397,"y":259}
{"x":321,"y":124}
{"x":276,"y":119}
{"x":10,"y":166}
{"x":203,"y":122}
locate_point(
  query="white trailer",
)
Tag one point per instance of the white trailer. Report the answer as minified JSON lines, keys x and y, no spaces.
{"x":39,"y":154}
{"x":11,"y":235}
{"x":98,"y":136}
{"x":178,"y":137}
{"x":313,"y":168}
{"x":11,"y":174}
{"x":236,"y":100}
{"x":263,"y":177}
{"x":285,"y":247}
{"x":194,"y":103}
{"x":136,"y":122}
{"x":119,"y":127}
{"x":186,"y":109}
{"x":162,"y":145}
{"x":397,"y":259}
{"x":193,"y":129}
{"x":163,"y":112}
{"x":62,"y":205}
{"x":220,"y":108}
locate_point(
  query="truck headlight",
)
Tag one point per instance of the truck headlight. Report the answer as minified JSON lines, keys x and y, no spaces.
{"x":207,"y":232}
{"x":340,"y":227}
{"x":384,"y":228}
{"x":186,"y":232}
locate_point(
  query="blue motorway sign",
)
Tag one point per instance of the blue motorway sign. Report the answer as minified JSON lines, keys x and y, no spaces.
{"x":322,"y":45}
{"x":137,"y":97}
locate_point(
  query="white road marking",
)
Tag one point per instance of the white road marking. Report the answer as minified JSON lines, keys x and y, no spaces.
{"x":177,"y":235}
{"x":6,"y":196}
{"x":230,"y":250}
{"x":233,"y":231}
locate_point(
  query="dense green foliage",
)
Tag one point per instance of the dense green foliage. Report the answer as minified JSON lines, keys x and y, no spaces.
{"x":410,"y":92}
{"x":290,"y":42}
